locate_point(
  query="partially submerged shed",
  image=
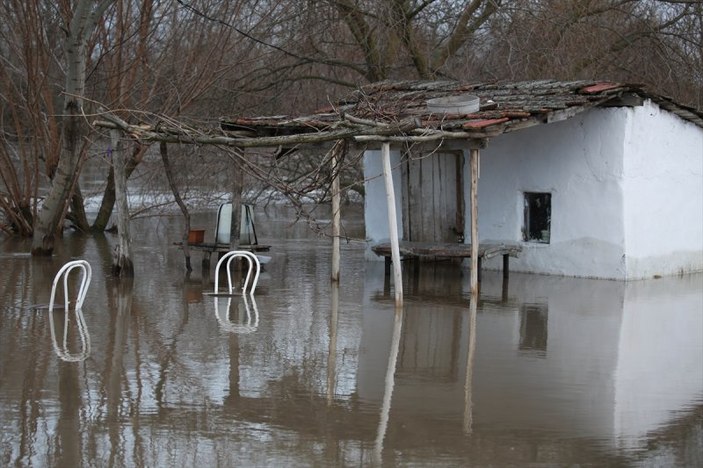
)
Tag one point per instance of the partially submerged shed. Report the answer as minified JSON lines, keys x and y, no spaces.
{"x":612,"y":188}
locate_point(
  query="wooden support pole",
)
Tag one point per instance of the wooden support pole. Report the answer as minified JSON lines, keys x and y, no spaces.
{"x":474,"y":223}
{"x":237,"y":187}
{"x":122,"y":265}
{"x":337,"y":151}
{"x":392,"y":225}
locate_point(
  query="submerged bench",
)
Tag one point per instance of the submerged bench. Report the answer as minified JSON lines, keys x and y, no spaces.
{"x":208,"y":248}
{"x":419,"y":250}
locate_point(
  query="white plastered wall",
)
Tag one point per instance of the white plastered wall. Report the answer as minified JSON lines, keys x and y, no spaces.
{"x":663,"y":186}
{"x":580,"y":162}
{"x":626,"y":185}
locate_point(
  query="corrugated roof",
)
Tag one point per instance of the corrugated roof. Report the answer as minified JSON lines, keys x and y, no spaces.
{"x":504,"y":107}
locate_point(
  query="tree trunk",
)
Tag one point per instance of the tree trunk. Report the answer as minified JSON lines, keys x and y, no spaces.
{"x":50,"y":218}
{"x":163,"y":148}
{"x":122,"y":265}
{"x":77,"y":214}
{"x":108,"y":201}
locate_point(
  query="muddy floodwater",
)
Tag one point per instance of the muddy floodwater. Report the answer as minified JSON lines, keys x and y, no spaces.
{"x":546,"y":371}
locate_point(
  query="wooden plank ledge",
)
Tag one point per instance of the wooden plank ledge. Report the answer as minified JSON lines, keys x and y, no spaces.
{"x":417,"y":250}
{"x":208,"y":248}
{"x":213,"y":247}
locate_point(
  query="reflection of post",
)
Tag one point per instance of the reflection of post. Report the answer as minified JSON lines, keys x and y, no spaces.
{"x":332,"y":351}
{"x":392,"y":225}
{"x":114,"y":371}
{"x":471,"y":351}
{"x":233,"y":378}
{"x":389,"y":383}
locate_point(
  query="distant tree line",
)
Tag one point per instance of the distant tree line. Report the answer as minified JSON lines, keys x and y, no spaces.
{"x":192,"y":61}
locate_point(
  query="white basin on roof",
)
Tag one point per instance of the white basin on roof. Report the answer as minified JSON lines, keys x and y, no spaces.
{"x":459,"y":104}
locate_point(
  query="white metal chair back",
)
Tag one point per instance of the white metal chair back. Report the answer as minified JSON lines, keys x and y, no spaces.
{"x":254,"y":268}
{"x":62,"y":350}
{"x":82,"y":289}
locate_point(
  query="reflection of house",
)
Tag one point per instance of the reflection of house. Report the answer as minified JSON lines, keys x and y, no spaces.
{"x":614,"y":361}
{"x":612,"y":188}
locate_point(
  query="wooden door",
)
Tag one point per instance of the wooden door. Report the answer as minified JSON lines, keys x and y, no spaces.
{"x":433,"y":198}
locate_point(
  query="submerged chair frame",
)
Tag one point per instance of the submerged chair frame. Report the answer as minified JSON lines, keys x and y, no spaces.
{"x":254,"y":267}
{"x":62,"y":351}
{"x":65,"y":272}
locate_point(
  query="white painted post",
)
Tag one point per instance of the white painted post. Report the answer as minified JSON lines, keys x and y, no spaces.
{"x":474,"y":223}
{"x":392,"y":225}
{"x":336,"y":216}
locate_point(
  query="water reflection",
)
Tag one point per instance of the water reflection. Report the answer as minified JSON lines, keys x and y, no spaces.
{"x":552,"y":371}
{"x":231,"y":320}
{"x":62,"y":346}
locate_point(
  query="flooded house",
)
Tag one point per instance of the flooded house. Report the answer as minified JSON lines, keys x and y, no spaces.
{"x":573,"y":178}
{"x":586,"y":179}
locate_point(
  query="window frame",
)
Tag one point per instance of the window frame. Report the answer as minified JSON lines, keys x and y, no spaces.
{"x":534,"y":222}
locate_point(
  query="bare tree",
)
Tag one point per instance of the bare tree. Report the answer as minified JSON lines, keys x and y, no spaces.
{"x":655,"y":42}
{"x":81,"y":21}
{"x":29,"y":133}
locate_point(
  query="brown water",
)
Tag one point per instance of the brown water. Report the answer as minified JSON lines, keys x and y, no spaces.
{"x":560,"y":371}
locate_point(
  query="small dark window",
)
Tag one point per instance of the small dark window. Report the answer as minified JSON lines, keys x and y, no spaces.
{"x":538,"y":217}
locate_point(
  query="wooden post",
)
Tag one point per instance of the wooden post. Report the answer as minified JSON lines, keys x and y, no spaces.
{"x":337,"y":151}
{"x":237,"y":187}
{"x":474,"y":222}
{"x":122,"y":265}
{"x":392,"y":225}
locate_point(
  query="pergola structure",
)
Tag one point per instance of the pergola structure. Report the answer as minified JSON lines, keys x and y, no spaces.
{"x":397,"y":113}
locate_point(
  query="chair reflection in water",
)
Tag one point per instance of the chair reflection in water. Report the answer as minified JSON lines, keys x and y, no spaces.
{"x":62,"y":349}
{"x":229,"y":325}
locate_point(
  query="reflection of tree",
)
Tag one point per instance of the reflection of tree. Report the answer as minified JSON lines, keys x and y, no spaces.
{"x":68,"y":431}
{"x":120,"y":297}
{"x":35,"y":372}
